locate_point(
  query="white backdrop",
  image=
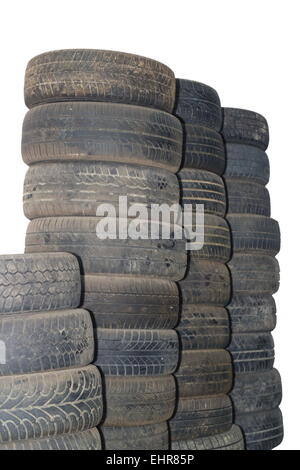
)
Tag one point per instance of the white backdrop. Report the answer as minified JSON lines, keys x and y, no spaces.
{"x":248,"y":50}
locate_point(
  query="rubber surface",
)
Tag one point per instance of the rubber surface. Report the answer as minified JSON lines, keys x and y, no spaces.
{"x":252,"y":313}
{"x":247,"y":163}
{"x":252,"y":352}
{"x":246,"y":127}
{"x":245,"y":197}
{"x":230,"y":440}
{"x":150,"y":437}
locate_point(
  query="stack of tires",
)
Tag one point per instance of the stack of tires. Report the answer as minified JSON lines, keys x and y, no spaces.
{"x":203,"y":418}
{"x":50,"y":395}
{"x":99,"y":127}
{"x":255,"y":277}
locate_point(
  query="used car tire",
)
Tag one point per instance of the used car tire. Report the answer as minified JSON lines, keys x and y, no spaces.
{"x":245,"y":127}
{"x":247,"y":197}
{"x":247,"y":163}
{"x":150,"y":437}
{"x":230,"y":440}
{"x":252,"y":352}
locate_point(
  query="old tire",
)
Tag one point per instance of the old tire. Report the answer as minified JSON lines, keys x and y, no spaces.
{"x":246,"y":197}
{"x":252,"y":352}
{"x":150,"y":437}
{"x":230,"y":440}
{"x":252,"y":313}
{"x":262,"y":431}
{"x":245,"y":127}
{"x":247,"y":163}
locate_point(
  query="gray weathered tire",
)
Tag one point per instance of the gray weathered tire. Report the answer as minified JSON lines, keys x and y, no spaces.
{"x":36,"y":342}
{"x":262,"y":431}
{"x":105,"y":132}
{"x":247,"y":197}
{"x":131,"y":302}
{"x":97,"y":75}
{"x":78,"y":235}
{"x":150,"y":437}
{"x":49,"y":404}
{"x":245,"y":127}
{"x":252,"y":313}
{"x":252,"y":352}
{"x":247,"y":163}
{"x":230,"y":440}
{"x":35,"y":282}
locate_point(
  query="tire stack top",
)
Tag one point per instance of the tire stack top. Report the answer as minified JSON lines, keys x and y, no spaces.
{"x":255,"y":276}
{"x":50,"y":395}
{"x":203,"y":418}
{"x":100,"y":127}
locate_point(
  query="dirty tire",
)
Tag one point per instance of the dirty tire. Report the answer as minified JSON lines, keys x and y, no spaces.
{"x":203,"y":373}
{"x":150,"y":437}
{"x":258,"y":391}
{"x":197,"y":103}
{"x":131,"y":302}
{"x":262,"y":431}
{"x":203,"y":187}
{"x":85,"y":440}
{"x":201,"y":417}
{"x":35,"y":282}
{"x":245,"y":197}
{"x":203,"y":149}
{"x":49,"y":404}
{"x":252,"y":352}
{"x":246,"y":162}
{"x":136,"y":352}
{"x":97,"y":75}
{"x":245,"y":127}
{"x":254,"y":233}
{"x":139,"y":400}
{"x":78,"y":235}
{"x":230,"y":440}
{"x":36,"y":342}
{"x":252,"y":313}
{"x":254,"y":274}
{"x":105,"y":132}
{"x":78,"y":188}
{"x":203,"y":327}
{"x":206,"y":283}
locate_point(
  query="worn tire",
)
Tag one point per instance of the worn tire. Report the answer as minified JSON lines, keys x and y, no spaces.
{"x":203,"y":327}
{"x":150,"y":437}
{"x":102,"y":131}
{"x":139,"y":400}
{"x":252,"y":352}
{"x":197,"y":103}
{"x":201,"y":417}
{"x":136,"y":352}
{"x":262,"y":431}
{"x":258,"y":391}
{"x":247,"y":197}
{"x":203,"y":187}
{"x":36,"y":342}
{"x":230,"y":440}
{"x":254,"y":274}
{"x":49,"y":404}
{"x":85,"y":440}
{"x":35,"y":282}
{"x":131,"y":302}
{"x":247,"y":163}
{"x":245,"y":127}
{"x":254,"y":233}
{"x":97,"y":75}
{"x":78,"y":188}
{"x":152,"y":258}
{"x":203,"y":373}
{"x":252,"y":313}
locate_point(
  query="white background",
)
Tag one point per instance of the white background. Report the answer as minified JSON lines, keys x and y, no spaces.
{"x":248,"y":50}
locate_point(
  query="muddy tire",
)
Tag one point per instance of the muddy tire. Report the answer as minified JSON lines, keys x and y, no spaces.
{"x":245,"y":127}
{"x":252,"y":313}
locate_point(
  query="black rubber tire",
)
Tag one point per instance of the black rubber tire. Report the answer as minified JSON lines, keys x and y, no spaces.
{"x":245,"y":127}
{"x":252,"y":313}
{"x":150,"y":437}
{"x":197,"y":103}
{"x":139,"y":400}
{"x":97,"y":75}
{"x":152,"y":258}
{"x":86,"y":440}
{"x":230,"y":440}
{"x":36,"y":342}
{"x":102,"y":131}
{"x":206,"y":283}
{"x":39,"y":282}
{"x":203,"y":327}
{"x":262,"y":431}
{"x":203,"y":373}
{"x":247,"y":197}
{"x":203,"y":187}
{"x":131,"y":302}
{"x":254,"y":274}
{"x":258,"y":391}
{"x":254,"y":233}
{"x":252,"y":352}
{"x":136,"y":352}
{"x":201,"y":417}
{"x":246,"y":162}
{"x":48,"y":404}
{"x":78,"y":188}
